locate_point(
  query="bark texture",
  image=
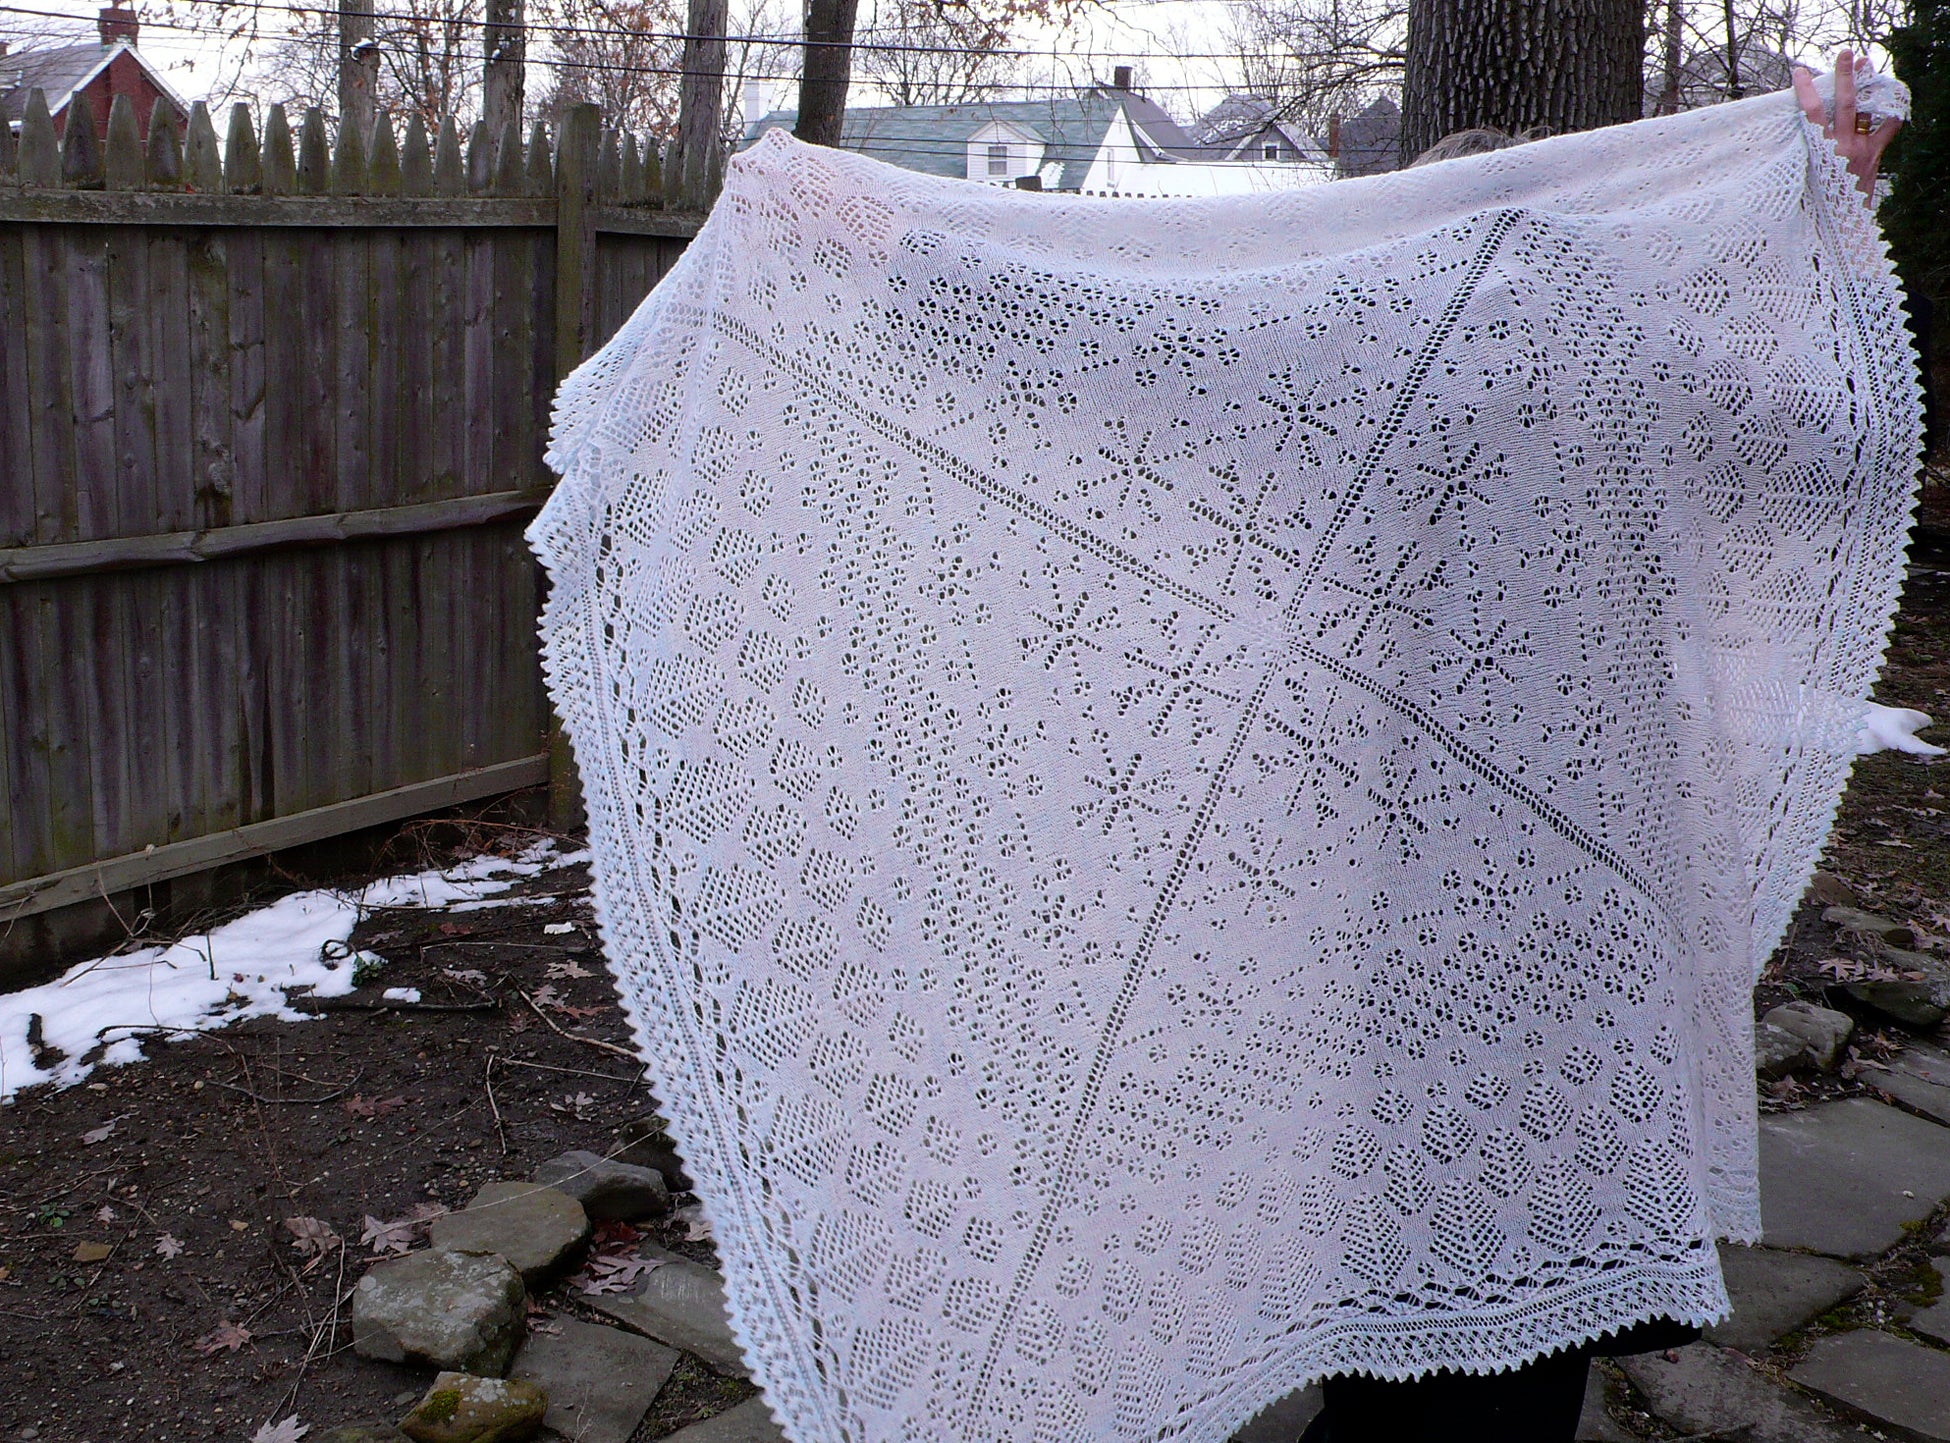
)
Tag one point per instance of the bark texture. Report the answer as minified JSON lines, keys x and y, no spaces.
{"x":504,"y":46}
{"x":828,"y":68}
{"x":700,"y":103}
{"x":1514,"y":65}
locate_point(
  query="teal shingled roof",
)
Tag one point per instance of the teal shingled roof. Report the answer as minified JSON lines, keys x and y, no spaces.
{"x":934,"y":138}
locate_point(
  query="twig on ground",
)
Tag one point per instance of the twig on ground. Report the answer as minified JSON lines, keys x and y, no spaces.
{"x":574,"y":1071}
{"x":500,"y":1130}
{"x":294,"y":1101}
{"x":560,"y":1031}
{"x":341,"y":1004}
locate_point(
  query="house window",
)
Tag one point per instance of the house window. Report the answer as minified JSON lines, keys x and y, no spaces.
{"x":998,"y":160}
{"x":1272,"y":152}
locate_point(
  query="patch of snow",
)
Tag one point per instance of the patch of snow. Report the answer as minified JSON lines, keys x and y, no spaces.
{"x":246,"y":968}
{"x":401,"y":994}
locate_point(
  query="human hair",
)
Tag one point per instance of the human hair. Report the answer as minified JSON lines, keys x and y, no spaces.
{"x":1479,"y":141}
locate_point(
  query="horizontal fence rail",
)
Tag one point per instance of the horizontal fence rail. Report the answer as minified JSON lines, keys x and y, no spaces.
{"x":272,"y":413}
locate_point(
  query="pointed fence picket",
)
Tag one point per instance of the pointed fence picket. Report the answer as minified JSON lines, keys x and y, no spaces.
{"x":272,"y":412}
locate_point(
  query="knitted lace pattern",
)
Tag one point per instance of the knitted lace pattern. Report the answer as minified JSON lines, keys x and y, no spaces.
{"x":1187,"y":794}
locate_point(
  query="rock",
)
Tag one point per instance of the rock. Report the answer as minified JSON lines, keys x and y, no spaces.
{"x":600,"y":1381}
{"x":1854,"y":919}
{"x":1934,"y":1321}
{"x":1712,"y":1393}
{"x":377,"y":1432}
{"x":460,"y":1408}
{"x":1775,"y":1292}
{"x":1888,"y":1381}
{"x":1594,"y":1423}
{"x":1825,"y":1030}
{"x":680,"y":1303}
{"x":1919,"y":1078}
{"x":750,"y":1422}
{"x":1828,"y":890}
{"x":1282,"y":1421}
{"x":535,"y":1228}
{"x":452,"y":1310}
{"x":607,"y":1188}
{"x":1832,"y":1178}
{"x":1777,"y":1052}
{"x":1914,"y":1005}
{"x":646,"y":1143}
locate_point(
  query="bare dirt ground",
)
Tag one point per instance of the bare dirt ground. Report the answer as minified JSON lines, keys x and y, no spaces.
{"x":152,"y":1286}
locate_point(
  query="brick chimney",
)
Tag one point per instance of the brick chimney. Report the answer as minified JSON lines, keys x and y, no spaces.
{"x":1333,"y":137}
{"x":115,"y":23}
{"x":1120,"y":78}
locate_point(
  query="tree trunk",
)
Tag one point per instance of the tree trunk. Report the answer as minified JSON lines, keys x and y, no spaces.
{"x":505,"y":44}
{"x":1734,"y":91}
{"x":828,"y":67}
{"x":1675,"y":55}
{"x":1515,"y":65}
{"x":358,"y":65}
{"x":700,"y":104}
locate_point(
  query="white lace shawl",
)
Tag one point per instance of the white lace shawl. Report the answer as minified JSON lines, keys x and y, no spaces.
{"x":1187,"y":794}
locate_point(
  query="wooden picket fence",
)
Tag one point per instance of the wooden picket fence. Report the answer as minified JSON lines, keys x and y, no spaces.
{"x":272,"y":415}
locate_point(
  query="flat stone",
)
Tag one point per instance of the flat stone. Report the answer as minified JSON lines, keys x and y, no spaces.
{"x":1919,"y":1006}
{"x":1832,"y":1178}
{"x":460,"y":1408}
{"x":452,"y":1310}
{"x":1710,"y":1391}
{"x":647,"y":1143}
{"x":1854,"y":919}
{"x":1934,"y":1321}
{"x":1595,"y":1425}
{"x":1828,"y":890}
{"x":1777,"y":1052}
{"x":1890,"y":1381}
{"x":750,"y":1422}
{"x":535,"y":1228}
{"x":607,"y":1188}
{"x":1919,"y":1078}
{"x":1823,"y":1029}
{"x":600,"y":1381}
{"x":1775,"y":1292}
{"x":680,"y":1303}
{"x":1281,"y":1421}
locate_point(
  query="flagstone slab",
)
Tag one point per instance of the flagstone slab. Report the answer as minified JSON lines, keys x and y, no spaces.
{"x":1846,"y":1177}
{"x":1708,"y":1391}
{"x":1775,"y":1292}
{"x":1900,"y":1386}
{"x":600,"y":1381}
{"x":1919,"y":1078}
{"x":1934,"y":1321}
{"x":535,"y":1228}
{"x":680,"y":1303}
{"x":750,"y":1422}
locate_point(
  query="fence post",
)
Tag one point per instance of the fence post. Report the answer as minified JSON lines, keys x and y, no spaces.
{"x":576,"y":164}
{"x":506,"y":46}
{"x":358,"y":65}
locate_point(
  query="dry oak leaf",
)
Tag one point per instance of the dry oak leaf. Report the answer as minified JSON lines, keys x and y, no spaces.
{"x":368,"y":1108}
{"x":399,"y":1235}
{"x":100,"y":1134}
{"x":225,"y":1336}
{"x":312,"y":1238}
{"x":92,"y":1252}
{"x":168,"y":1247}
{"x":570,"y":968}
{"x":289,"y":1431}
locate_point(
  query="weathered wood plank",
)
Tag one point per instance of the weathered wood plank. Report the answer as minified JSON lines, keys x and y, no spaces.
{"x":91,"y":371}
{"x":478,"y":350}
{"x":253,"y":477}
{"x":207,"y":376}
{"x":133,"y":363}
{"x":168,"y":310}
{"x":349,"y":255}
{"x":179,"y":548}
{"x":16,"y":398}
{"x":446,"y":317}
{"x":119,"y":874}
{"x":50,"y":383}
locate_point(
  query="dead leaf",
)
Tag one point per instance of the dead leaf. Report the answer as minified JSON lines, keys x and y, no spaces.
{"x":92,"y":1252}
{"x":367,"y":1108}
{"x":570,"y":968}
{"x":289,"y":1431}
{"x":312,"y":1238}
{"x":100,"y":1134}
{"x":168,"y":1247}
{"x":1842,"y":969}
{"x":468,"y":975}
{"x":226,"y":1336}
{"x":696,"y":1228}
{"x":613,"y":1274}
{"x":546,"y":996}
{"x":575,"y":1103}
{"x":399,"y":1235}
{"x":106,"y":1214}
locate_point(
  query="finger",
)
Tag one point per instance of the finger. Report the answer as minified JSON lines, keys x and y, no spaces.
{"x":1804,"y":94}
{"x":1845,"y":93}
{"x":1880,"y":137}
